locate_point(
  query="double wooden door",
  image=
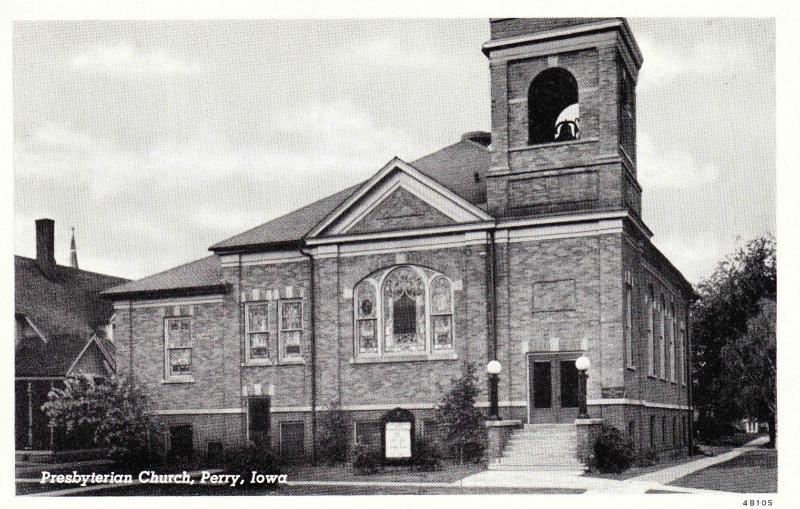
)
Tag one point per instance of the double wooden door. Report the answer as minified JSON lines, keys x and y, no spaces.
{"x":552,"y":387}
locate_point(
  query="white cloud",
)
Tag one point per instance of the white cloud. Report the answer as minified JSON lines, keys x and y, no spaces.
{"x":124,"y":59}
{"x":664,"y":63}
{"x":672,"y":168}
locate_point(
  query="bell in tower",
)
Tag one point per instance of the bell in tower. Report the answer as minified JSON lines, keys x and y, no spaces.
{"x":563,"y":116}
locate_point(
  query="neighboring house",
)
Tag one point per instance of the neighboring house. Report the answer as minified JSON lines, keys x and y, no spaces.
{"x":526,"y":245}
{"x":61,"y":329}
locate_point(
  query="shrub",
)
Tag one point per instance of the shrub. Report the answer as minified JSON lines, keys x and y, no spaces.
{"x":465,"y":434}
{"x":427,"y":455}
{"x":613,"y":452}
{"x":116,"y":414}
{"x":333,"y":435}
{"x":367,"y":460}
{"x":252,"y":458}
{"x":648,"y":458}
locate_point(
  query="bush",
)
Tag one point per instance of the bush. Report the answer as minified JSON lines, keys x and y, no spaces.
{"x":116,"y":415}
{"x":333,"y":435}
{"x":252,"y":458}
{"x":613,"y":452}
{"x":367,"y":460}
{"x":649,"y":458}
{"x":427,"y":455}
{"x":465,"y":434}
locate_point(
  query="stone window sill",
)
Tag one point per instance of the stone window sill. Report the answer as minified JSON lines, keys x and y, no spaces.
{"x":252,"y":364}
{"x":405,"y":358}
{"x":178,"y":380}
{"x":580,"y":141}
{"x":632,"y":368}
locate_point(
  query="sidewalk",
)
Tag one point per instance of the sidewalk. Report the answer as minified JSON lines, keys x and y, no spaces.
{"x":657,"y":480}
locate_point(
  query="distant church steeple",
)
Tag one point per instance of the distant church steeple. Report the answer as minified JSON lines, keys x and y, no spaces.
{"x":73,"y":253}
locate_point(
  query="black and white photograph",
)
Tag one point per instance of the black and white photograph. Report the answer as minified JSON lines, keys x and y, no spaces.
{"x":388,"y":254}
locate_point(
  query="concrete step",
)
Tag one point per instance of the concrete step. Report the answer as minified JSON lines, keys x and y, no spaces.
{"x":537,"y":453}
{"x":569,"y":469}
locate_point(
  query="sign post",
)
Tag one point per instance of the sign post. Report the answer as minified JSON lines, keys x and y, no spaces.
{"x":397,"y":437}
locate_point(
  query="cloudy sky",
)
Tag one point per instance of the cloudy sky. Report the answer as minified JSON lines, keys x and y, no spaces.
{"x":157,"y":139}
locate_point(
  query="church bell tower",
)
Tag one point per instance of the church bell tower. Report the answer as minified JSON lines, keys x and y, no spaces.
{"x":563,"y":116}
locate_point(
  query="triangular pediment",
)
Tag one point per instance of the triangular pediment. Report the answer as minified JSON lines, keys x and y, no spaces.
{"x":401,"y":210}
{"x":399,"y":197}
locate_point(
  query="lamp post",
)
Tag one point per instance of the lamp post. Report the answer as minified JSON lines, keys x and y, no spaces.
{"x":583,"y":364}
{"x":493,"y":368}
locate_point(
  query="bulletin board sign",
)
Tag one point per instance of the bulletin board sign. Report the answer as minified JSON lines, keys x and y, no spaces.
{"x":397,"y":436}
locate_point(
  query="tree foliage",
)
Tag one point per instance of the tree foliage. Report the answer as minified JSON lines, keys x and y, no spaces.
{"x":750,"y":367}
{"x":729,"y":299}
{"x":116,"y":414}
{"x":333,"y":434}
{"x":465,"y":434}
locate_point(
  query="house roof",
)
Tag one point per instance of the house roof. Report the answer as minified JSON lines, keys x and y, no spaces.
{"x":460,"y":167}
{"x":64,"y":305}
{"x":199,"y":275}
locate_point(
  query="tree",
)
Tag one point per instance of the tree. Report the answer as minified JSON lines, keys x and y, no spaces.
{"x":750,"y":368}
{"x":333,"y":434}
{"x":465,"y":435}
{"x":729,"y":298}
{"x":116,"y":414}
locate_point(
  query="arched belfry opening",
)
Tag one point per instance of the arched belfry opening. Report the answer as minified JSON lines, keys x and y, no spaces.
{"x":553,"y":109}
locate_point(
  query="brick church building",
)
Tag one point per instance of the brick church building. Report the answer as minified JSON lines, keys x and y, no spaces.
{"x":526,"y":245}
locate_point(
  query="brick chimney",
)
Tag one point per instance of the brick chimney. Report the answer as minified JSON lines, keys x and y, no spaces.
{"x":45,"y":244}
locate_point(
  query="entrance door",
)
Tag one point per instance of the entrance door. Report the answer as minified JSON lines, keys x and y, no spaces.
{"x":552,"y":388}
{"x":258,"y":420}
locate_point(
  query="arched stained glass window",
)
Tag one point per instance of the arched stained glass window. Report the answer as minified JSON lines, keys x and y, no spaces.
{"x":366,"y":319}
{"x":442,"y":313}
{"x":403,"y":310}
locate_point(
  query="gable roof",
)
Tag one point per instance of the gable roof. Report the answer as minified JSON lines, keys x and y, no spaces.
{"x":460,"y":168}
{"x":469,"y":211}
{"x":65,"y":307}
{"x":64,"y":302}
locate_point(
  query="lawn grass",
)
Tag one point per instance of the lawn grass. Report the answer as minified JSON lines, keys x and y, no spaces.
{"x":449,"y":472}
{"x":755,"y":471}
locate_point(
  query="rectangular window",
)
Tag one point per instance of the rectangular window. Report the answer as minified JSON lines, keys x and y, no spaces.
{"x":684,"y":375}
{"x":368,"y":433}
{"x":257,"y":331}
{"x":663,"y":430}
{"x":662,"y":328}
{"x":180,"y":441}
{"x":292,"y":440}
{"x":291,"y":329}
{"x":631,"y":429}
{"x":628,"y":325}
{"x":178,"y":347}
{"x":674,"y":431}
{"x":672,"y":350}
{"x":652,"y":431}
{"x":685,"y":432}
{"x":651,"y":321}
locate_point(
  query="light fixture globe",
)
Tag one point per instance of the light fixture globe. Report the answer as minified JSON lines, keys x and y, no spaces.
{"x":494,"y":368}
{"x":583,"y":363}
